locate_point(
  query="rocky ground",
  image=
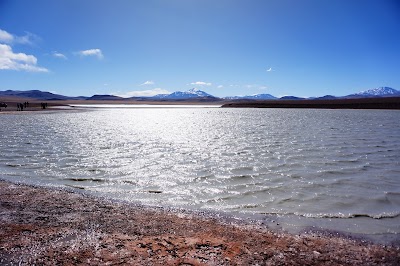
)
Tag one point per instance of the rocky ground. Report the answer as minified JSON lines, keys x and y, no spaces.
{"x":54,"y":227}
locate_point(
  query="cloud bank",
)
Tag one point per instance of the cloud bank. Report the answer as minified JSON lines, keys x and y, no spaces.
{"x":28,"y":38}
{"x":6,"y":37}
{"x":144,"y":93}
{"x":18,"y":61}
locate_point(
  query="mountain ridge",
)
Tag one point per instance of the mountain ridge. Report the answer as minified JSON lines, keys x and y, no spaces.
{"x":196,"y":94}
{"x":192,"y":93}
{"x":262,"y":96}
{"x":380,"y":92}
{"x":40,"y":95}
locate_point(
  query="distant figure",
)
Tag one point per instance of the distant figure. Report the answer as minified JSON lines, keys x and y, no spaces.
{"x":3,"y":105}
{"x":44,"y":105}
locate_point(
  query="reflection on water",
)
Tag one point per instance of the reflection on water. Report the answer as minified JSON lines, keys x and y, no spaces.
{"x":302,"y":163}
{"x":118,"y":106}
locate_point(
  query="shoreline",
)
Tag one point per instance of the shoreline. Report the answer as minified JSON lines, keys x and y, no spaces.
{"x":35,"y":104}
{"x":75,"y":107}
{"x":383,"y":103}
{"x":377,"y":103}
{"x":54,"y":226}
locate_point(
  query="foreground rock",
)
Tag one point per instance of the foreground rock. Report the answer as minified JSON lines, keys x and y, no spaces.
{"x":49,"y":227}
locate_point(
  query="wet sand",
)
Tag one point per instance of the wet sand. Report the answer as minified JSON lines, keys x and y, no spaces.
{"x":35,"y":105}
{"x":49,"y":226}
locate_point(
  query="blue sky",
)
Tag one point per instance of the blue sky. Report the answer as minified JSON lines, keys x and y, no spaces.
{"x":224,"y":47}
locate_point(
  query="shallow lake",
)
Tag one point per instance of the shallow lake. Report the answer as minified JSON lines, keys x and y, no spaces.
{"x":294,"y":169}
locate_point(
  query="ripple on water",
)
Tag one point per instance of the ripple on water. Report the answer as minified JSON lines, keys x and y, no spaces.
{"x":307,"y":163}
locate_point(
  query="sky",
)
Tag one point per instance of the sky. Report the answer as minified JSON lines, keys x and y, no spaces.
{"x":224,"y":47}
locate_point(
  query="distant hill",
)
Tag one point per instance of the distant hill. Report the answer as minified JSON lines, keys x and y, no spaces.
{"x":326,"y":97}
{"x":372,"y":93}
{"x":158,"y":96}
{"x":105,"y":97}
{"x":180,"y":95}
{"x":194,"y":95}
{"x":34,"y":94}
{"x":252,"y":97}
{"x":39,"y":95}
{"x":291,"y":98}
{"x":377,"y":92}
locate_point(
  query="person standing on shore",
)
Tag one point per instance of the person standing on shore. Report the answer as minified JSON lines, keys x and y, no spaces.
{"x":20,"y":107}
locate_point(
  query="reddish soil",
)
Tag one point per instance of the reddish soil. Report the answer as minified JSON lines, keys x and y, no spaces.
{"x":42,"y":226}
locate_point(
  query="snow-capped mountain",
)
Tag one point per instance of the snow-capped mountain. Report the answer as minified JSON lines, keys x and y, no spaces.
{"x":381,"y":91}
{"x":252,"y":97}
{"x":193,"y":93}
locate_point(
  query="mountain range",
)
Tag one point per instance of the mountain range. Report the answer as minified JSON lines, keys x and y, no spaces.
{"x":252,"y":97}
{"x":178,"y":95}
{"x":194,"y":94}
{"x":40,"y":95}
{"x":381,"y":91}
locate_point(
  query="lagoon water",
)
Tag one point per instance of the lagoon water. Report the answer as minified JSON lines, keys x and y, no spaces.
{"x":290,"y":168}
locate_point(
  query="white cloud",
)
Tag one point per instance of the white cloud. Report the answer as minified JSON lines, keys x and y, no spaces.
{"x":270,"y":69}
{"x":220,"y":86}
{"x":6,"y":37}
{"x":250,"y":86}
{"x":59,"y":55}
{"x":201,"y":83}
{"x":91,"y":52}
{"x":145,"y":93}
{"x":28,"y":38}
{"x":255,"y":86}
{"x":147,"y":82}
{"x":18,"y":61}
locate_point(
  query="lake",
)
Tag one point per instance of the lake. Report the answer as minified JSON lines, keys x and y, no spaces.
{"x":294,"y":169}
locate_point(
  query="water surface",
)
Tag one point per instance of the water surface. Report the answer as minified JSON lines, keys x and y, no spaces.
{"x":336,"y":169}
